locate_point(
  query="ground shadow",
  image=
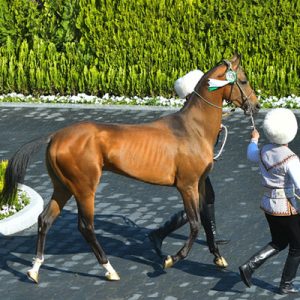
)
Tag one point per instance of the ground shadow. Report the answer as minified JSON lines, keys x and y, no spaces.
{"x":120,"y":237}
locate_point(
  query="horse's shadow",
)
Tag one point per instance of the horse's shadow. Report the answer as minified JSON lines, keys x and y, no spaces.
{"x":120,"y":237}
{"x":117,"y":234}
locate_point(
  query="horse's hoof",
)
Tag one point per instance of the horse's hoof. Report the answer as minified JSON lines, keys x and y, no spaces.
{"x":112,"y":276}
{"x":168,"y":263}
{"x":221,"y":262}
{"x":34,"y":276}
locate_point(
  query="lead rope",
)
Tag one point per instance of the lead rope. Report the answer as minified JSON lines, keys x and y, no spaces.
{"x":252,"y":120}
{"x":223,"y":142}
{"x":226,"y":134}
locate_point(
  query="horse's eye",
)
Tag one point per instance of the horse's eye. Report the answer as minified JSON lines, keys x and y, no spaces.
{"x":243,"y":81}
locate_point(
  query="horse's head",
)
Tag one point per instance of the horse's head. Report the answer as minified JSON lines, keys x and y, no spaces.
{"x":238,"y":91}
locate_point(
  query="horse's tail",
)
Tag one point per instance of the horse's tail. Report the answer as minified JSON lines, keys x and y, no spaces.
{"x":17,"y":165}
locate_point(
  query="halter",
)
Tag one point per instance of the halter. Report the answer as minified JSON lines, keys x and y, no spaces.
{"x":245,"y":98}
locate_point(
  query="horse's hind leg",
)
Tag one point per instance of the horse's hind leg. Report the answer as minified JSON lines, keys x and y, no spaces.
{"x":59,"y":198}
{"x":85,"y":205}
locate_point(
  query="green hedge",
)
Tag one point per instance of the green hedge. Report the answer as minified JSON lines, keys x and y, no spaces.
{"x":141,"y":47}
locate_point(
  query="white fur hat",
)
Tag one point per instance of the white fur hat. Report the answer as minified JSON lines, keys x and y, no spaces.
{"x":185,"y":85}
{"x":280,"y":126}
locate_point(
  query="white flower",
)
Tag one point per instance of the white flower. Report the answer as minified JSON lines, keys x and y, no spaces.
{"x":291,"y":101}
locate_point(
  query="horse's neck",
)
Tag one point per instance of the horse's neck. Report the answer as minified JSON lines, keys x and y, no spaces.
{"x":202,"y":118}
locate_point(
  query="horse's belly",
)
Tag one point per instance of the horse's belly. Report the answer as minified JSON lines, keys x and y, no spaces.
{"x":157,"y":172}
{"x":154,"y":175}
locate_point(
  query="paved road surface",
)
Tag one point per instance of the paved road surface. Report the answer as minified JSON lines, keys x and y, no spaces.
{"x":126,"y":210}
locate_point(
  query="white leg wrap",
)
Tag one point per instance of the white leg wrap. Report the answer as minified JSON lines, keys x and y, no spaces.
{"x":37,"y":264}
{"x":33,"y":273}
{"x":111,"y":274}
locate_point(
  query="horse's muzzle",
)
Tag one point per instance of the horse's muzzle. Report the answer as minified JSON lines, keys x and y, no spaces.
{"x":250,"y":109}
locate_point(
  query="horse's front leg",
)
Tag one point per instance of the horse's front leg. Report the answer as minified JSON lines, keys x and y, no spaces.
{"x":219,"y":260}
{"x":190,"y":196}
{"x":207,"y":220}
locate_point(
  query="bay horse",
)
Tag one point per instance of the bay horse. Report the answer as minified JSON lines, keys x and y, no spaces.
{"x":174,"y":150}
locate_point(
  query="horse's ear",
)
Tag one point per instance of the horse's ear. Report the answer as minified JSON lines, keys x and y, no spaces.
{"x":235,"y":61}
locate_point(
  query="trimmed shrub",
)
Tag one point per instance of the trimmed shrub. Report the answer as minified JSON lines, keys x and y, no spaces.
{"x":141,"y":47}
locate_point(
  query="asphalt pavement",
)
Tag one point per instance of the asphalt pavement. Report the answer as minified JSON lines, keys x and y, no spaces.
{"x":125,"y":212}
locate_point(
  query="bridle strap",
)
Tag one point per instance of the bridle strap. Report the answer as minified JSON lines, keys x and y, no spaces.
{"x":206,"y":101}
{"x":243,"y":93}
{"x":247,"y":100}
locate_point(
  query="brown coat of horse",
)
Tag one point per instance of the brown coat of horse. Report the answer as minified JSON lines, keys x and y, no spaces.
{"x":175,"y":150}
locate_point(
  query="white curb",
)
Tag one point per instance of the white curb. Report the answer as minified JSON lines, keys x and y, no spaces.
{"x":26,"y":217}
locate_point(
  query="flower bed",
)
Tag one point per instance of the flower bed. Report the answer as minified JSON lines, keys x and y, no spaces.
{"x":16,"y":202}
{"x":21,"y":210}
{"x":27,"y":216}
{"x":7,"y":210}
{"x":292,"y":101}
